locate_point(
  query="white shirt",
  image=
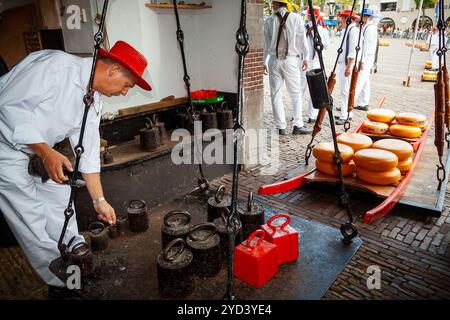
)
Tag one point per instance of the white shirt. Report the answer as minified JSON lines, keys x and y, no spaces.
{"x":352,"y":36}
{"x":294,"y":31}
{"x":323,"y":33}
{"x":434,"y":41}
{"x":41,"y":100}
{"x":370,"y":42}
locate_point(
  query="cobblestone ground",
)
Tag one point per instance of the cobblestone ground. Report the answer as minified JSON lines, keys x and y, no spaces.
{"x":411,"y":250}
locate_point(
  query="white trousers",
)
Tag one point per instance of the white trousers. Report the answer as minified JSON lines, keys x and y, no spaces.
{"x":363,"y":86}
{"x":434,"y":57}
{"x":285,"y":71}
{"x":344,"y":88}
{"x":34,"y":211}
{"x":312,"y":64}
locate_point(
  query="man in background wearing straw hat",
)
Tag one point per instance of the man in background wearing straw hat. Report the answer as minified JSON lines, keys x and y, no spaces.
{"x":41,"y":104}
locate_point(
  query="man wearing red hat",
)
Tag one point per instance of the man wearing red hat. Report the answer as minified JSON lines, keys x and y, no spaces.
{"x":41,"y":104}
{"x":346,"y":62}
{"x":312,"y":57}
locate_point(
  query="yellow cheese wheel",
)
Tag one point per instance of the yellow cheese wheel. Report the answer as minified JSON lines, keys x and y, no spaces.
{"x":411,"y":119}
{"x":381,"y":115}
{"x":400,"y":130}
{"x":375,"y":127}
{"x":356,"y":141}
{"x":424,"y":126}
{"x":402,"y":149}
{"x":331,"y":168}
{"x":324,"y":151}
{"x":376,"y":159}
{"x":404,"y":166}
{"x":383,"y":178}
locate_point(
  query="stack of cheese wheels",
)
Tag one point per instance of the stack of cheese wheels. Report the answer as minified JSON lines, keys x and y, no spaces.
{"x":324,"y":153}
{"x":402,"y":149}
{"x":356,"y":141}
{"x":377,"y":166}
{"x":409,"y":125}
{"x":379,"y":120}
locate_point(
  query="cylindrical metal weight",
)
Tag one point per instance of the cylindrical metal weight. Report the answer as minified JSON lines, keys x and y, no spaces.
{"x":108,"y":157}
{"x":137,"y":216}
{"x":204,"y":242}
{"x":177,"y":224}
{"x":81,"y":256}
{"x":113,"y":231}
{"x":252,"y":216}
{"x":122,"y":224}
{"x":209,"y":120}
{"x":149,"y":136}
{"x":221,"y":224}
{"x":225,"y":117}
{"x":99,"y":236}
{"x":218,"y":203}
{"x":318,"y":89}
{"x":174,"y":268}
{"x":162,"y":132}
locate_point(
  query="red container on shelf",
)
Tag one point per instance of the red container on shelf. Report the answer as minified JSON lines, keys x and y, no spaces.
{"x":256,"y":264}
{"x":284,"y":237}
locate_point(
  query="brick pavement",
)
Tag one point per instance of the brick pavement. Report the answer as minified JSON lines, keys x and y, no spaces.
{"x":412,"y":250}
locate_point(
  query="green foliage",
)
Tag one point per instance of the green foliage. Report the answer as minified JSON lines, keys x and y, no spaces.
{"x":426,"y":3}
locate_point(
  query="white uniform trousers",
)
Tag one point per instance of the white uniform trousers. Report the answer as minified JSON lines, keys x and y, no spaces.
{"x":344,"y":87}
{"x":285,"y":71}
{"x":363,"y":85}
{"x":34,"y":211}
{"x":312,"y":112}
{"x":434,"y":57}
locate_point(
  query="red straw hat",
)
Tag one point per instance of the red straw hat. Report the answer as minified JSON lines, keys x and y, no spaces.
{"x":130,"y":58}
{"x":346,"y":13}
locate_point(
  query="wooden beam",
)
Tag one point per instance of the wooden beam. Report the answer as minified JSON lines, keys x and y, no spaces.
{"x":153,"y":106}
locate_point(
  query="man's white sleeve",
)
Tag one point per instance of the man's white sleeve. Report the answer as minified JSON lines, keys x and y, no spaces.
{"x":17,"y":102}
{"x":90,"y":160}
{"x":267,"y":38}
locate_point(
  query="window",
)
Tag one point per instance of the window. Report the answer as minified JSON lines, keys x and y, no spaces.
{"x":388,"y":6}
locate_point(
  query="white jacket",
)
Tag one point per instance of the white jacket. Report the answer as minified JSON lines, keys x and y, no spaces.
{"x":41,"y":100}
{"x":295,"y":32}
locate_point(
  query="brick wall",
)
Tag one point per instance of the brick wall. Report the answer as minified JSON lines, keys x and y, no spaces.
{"x":253,"y":72}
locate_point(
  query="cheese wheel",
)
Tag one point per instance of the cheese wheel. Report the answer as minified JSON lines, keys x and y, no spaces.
{"x":324,"y":151}
{"x":400,"y":130}
{"x":375,"y":127}
{"x":331,"y":168}
{"x":404,"y":166}
{"x":356,"y":141}
{"x":383,"y":178}
{"x":381,"y":115}
{"x":376,"y":159}
{"x":402,"y":149}
{"x":411,"y":119}
{"x":424,"y":126}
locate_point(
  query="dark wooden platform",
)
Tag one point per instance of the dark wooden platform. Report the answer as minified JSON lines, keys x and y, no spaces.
{"x":127,"y":269}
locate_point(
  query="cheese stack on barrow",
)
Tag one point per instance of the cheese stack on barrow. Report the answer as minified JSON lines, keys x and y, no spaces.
{"x":377,"y":166}
{"x":324,"y":154}
{"x":378,"y":121}
{"x":408,"y":125}
{"x":402,"y":149}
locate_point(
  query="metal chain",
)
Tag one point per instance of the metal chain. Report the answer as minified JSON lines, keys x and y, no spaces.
{"x":88,"y":100}
{"x":203,"y":183}
{"x":309,"y":148}
{"x":242,"y":47}
{"x":348,"y":230}
{"x":441,"y":172}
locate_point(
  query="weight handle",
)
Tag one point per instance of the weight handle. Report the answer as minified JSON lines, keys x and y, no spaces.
{"x":208,"y":225}
{"x":172,"y":213}
{"x":277,"y":216}
{"x":256,"y":233}
{"x":142,"y":202}
{"x":95,"y":225}
{"x":250,"y":201}
{"x":149,"y":123}
{"x":220,"y":193}
{"x":172,"y":244}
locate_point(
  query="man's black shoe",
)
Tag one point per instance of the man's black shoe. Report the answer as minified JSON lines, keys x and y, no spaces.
{"x":311,"y":120}
{"x":363,"y":108}
{"x":282,"y":132}
{"x":63,"y":293}
{"x":341,"y":121}
{"x":301,"y":130}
